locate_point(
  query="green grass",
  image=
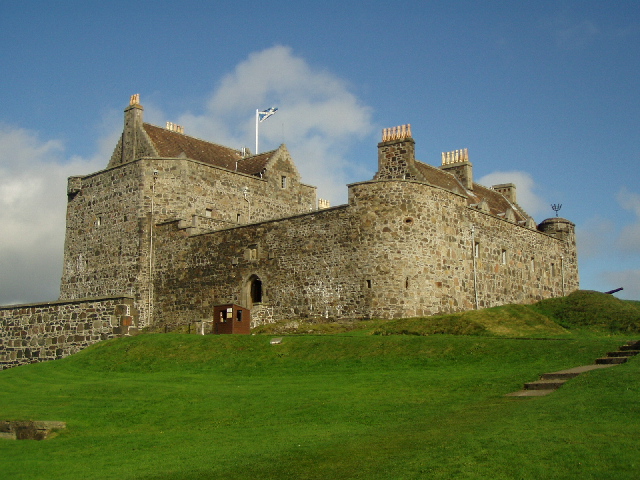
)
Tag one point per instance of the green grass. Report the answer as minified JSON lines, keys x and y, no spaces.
{"x":350,"y":400}
{"x":595,"y":311}
{"x":583,"y":313}
{"x":369,"y":406}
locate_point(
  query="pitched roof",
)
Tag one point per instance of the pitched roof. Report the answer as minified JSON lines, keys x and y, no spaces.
{"x":495,"y":201}
{"x":440,"y":178}
{"x":173,"y":144}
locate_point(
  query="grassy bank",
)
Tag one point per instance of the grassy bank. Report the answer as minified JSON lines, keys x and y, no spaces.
{"x":340,"y":406}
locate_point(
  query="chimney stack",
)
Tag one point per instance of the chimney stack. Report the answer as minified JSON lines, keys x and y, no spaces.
{"x":396,"y":154}
{"x":457,"y":162}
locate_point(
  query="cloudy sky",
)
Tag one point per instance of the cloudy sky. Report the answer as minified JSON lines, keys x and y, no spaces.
{"x":545,"y":95}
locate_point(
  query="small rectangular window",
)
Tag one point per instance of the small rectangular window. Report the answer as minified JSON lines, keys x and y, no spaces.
{"x":207,"y":213}
{"x":239,"y":315}
{"x":283,"y":181}
{"x":476,"y":249}
{"x":503,"y":257}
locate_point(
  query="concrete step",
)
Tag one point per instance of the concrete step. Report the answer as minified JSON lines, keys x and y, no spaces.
{"x":559,"y":376}
{"x":623,"y":353}
{"x":633,"y":346}
{"x":544,"y":385}
{"x":530,"y":393}
{"x":611,"y":360}
{"x":550,"y":382}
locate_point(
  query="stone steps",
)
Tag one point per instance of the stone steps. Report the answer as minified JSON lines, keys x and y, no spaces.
{"x":550,"y":382}
{"x":544,"y":385}
{"x":623,"y":353}
{"x":611,"y":360}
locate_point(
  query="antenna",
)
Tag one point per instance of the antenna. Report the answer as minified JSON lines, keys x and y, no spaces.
{"x":556,"y":207}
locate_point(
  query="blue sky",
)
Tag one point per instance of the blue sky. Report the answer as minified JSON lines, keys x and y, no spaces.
{"x":545,"y":95}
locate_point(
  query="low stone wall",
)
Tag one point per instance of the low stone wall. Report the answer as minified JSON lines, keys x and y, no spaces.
{"x":49,"y":331}
{"x":28,"y":429}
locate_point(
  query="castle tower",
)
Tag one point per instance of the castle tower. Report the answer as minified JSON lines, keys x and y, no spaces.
{"x":558,"y":227}
{"x":397,"y":155}
{"x":457,"y":162}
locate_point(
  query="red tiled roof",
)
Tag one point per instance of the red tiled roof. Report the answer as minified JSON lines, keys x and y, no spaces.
{"x":497,"y":203}
{"x":173,"y":144}
{"x":255,"y":164}
{"x":439,"y":178}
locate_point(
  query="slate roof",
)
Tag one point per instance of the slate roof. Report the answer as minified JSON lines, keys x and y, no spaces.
{"x":496,"y":202}
{"x":173,"y":145}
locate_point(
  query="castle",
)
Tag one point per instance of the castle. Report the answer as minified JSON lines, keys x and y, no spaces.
{"x":175,"y":225}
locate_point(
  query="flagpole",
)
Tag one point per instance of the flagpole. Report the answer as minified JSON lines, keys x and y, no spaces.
{"x":256,"y":131}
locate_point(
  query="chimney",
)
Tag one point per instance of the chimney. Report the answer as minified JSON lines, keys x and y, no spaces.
{"x":174,"y":127}
{"x":396,"y":154}
{"x":508,"y":190}
{"x":457,"y":162}
{"x":133,"y":118}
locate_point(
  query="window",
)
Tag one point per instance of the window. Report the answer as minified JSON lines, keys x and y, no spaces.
{"x":503,"y":257}
{"x":238,"y":218}
{"x":368,"y":283}
{"x":239,"y":315}
{"x":553,"y":269}
{"x":283,"y":181}
{"x":476,"y":249}
{"x":208,"y":212}
{"x":98,"y":221}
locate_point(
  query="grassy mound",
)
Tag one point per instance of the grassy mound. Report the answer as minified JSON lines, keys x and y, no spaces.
{"x":585,"y":309}
{"x":506,"y":320}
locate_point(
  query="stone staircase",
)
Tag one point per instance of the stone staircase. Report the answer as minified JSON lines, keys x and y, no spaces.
{"x":550,"y":382}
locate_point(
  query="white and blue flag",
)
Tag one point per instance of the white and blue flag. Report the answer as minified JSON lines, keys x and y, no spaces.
{"x":266,"y":113}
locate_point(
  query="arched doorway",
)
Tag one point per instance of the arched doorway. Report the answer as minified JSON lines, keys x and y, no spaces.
{"x":253,"y":291}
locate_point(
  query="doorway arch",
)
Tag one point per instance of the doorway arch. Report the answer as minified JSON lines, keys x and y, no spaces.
{"x":253,"y":291}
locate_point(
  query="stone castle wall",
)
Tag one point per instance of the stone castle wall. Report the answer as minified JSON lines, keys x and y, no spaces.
{"x":109,"y":213}
{"x":49,"y":331}
{"x":400,"y":248}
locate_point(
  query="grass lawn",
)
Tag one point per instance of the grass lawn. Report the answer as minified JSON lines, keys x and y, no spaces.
{"x":170,"y":406}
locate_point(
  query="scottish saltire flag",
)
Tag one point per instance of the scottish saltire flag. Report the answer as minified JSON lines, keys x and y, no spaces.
{"x":267,"y":113}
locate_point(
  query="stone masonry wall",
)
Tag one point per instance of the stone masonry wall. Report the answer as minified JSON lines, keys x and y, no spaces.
{"x":49,"y":331}
{"x":108,"y":242}
{"x":400,"y":248}
{"x":396,"y":160}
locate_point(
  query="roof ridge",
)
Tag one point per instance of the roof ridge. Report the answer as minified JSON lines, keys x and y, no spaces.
{"x":238,"y":150}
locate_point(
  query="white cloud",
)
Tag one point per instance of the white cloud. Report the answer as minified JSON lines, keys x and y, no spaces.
{"x":33,"y":177}
{"x":629,"y":239}
{"x":525,"y":189}
{"x":629,"y":201}
{"x":595,"y":237}
{"x":575,"y":36}
{"x":570,"y":33}
{"x":318,"y":117}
